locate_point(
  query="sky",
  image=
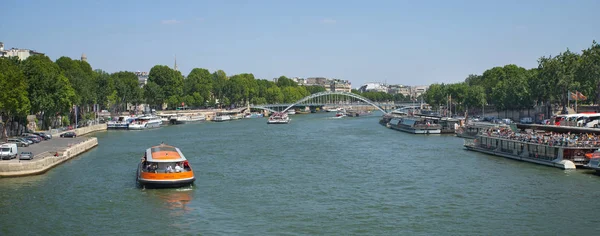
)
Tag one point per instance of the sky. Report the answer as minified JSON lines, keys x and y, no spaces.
{"x":396,"y":42}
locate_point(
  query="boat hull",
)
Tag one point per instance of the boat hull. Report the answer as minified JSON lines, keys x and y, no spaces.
{"x":145,"y":126}
{"x":562,"y":164}
{"x":416,"y":131}
{"x":164,"y":180}
{"x":277,"y":122}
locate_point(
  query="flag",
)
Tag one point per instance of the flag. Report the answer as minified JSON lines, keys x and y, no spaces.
{"x":576,"y":96}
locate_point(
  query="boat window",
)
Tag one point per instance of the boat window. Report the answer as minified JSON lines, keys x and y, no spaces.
{"x":166,"y":167}
{"x":168,"y":149}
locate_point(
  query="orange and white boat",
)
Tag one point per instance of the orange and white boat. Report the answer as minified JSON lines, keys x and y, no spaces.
{"x":164,"y":166}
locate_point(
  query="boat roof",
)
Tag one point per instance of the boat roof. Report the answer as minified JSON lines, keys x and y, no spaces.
{"x":164,"y":153}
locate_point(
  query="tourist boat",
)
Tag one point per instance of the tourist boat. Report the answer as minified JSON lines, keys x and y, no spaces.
{"x":187,"y":118}
{"x":145,"y":122}
{"x":221,"y":118}
{"x":122,"y":122}
{"x":386,"y":118}
{"x":594,"y":160}
{"x":564,"y":151}
{"x":357,"y":113}
{"x":340,"y":114}
{"x":166,"y":118}
{"x":414,"y":125}
{"x":278,"y":118}
{"x":291,"y":112}
{"x":253,"y":115}
{"x":164,"y":166}
{"x":471,"y":130}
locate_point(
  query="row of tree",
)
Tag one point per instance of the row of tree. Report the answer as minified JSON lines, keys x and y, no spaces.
{"x":50,"y":89}
{"x":512,"y":87}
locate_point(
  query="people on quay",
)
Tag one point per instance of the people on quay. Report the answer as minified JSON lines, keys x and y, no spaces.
{"x":548,"y":138}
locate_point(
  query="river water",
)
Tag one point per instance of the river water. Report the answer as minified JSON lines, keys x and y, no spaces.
{"x":314,"y":176}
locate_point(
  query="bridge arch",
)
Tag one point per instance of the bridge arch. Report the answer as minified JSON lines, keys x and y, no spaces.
{"x":335,"y":93}
{"x":259,"y":107}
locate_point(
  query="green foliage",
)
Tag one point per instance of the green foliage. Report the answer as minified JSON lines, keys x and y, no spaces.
{"x":50,"y":92}
{"x":14,"y":100}
{"x":171,"y":83}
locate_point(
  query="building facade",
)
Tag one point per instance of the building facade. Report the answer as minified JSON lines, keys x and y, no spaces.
{"x":142,"y":78}
{"x":22,"y":54}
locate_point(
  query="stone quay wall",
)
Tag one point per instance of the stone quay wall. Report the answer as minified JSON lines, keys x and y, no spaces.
{"x":46,"y":160}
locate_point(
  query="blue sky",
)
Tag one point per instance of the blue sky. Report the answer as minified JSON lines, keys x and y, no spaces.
{"x":398,"y":42}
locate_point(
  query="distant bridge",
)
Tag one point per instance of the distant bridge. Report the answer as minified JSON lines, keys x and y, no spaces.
{"x":332,"y":98}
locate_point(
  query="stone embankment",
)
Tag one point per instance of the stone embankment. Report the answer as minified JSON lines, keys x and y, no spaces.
{"x":46,"y":160}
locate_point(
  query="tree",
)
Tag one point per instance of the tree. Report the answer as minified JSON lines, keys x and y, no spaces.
{"x":50,"y":92}
{"x":14,"y":100}
{"x":127,"y":88}
{"x":283,"y":81}
{"x":153,"y":95}
{"x":199,"y":81}
{"x":170,"y":81}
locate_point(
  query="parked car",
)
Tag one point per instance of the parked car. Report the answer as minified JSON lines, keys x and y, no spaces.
{"x":25,"y":140}
{"x":68,"y":135}
{"x":43,"y":135}
{"x":33,"y":139}
{"x":26,"y":156}
{"x":19,"y":142}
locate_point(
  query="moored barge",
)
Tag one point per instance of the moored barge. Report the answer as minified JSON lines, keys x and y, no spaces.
{"x":414,"y":125}
{"x":565,"y":151}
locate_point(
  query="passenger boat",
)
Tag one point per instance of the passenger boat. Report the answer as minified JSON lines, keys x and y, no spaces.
{"x":221,"y":118}
{"x":122,"y":122}
{"x":253,"y":115}
{"x":279,"y":118}
{"x":340,"y":114}
{"x":164,"y":166}
{"x":291,"y":112}
{"x":187,"y":118}
{"x":471,"y":130}
{"x":166,"y":118}
{"x":145,"y":122}
{"x":357,"y":113}
{"x":414,"y":125}
{"x":594,"y":160}
{"x":565,"y":151}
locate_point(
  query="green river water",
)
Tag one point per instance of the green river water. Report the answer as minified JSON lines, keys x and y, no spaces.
{"x":314,"y":176}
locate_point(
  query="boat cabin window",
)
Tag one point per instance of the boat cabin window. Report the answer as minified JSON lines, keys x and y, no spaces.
{"x":166,"y":167}
{"x":163,"y":149}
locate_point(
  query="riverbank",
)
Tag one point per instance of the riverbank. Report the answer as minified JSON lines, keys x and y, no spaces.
{"x":54,"y":154}
{"x":51,"y":153}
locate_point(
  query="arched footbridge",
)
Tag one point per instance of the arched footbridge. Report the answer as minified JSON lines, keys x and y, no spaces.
{"x":329,"y":98}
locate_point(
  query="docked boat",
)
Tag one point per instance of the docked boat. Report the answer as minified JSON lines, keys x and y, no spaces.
{"x":291,"y":112}
{"x":565,"y":151}
{"x":340,"y":114}
{"x":594,"y":160}
{"x":166,"y":118}
{"x":253,"y":115}
{"x":279,"y":118}
{"x":145,"y":122}
{"x":164,"y":166}
{"x":221,"y":118}
{"x":187,"y":118}
{"x":122,"y":122}
{"x":414,"y":125}
{"x":472,"y":129}
{"x":357,"y":113}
